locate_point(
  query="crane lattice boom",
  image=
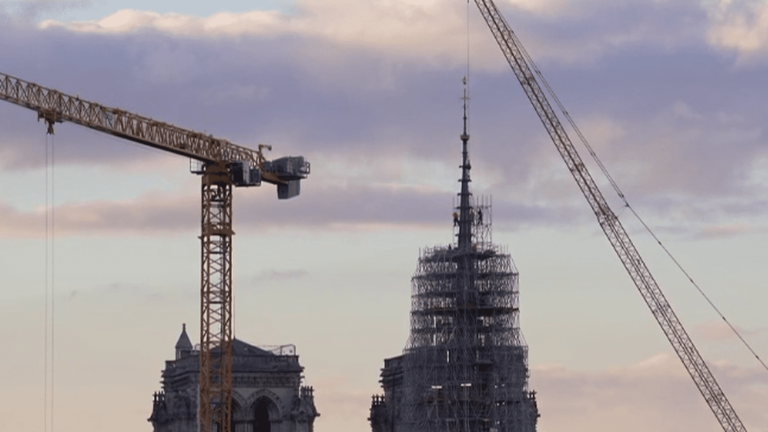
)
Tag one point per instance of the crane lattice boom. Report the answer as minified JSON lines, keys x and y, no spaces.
{"x":673,"y":329}
{"x":224,"y":165}
{"x":55,"y":107}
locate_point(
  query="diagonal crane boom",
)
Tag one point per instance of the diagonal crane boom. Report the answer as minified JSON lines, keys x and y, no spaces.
{"x":670,"y":324}
{"x":224,"y":165}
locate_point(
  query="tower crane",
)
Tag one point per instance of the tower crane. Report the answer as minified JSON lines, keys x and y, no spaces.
{"x":222,"y":165}
{"x":523,"y":67}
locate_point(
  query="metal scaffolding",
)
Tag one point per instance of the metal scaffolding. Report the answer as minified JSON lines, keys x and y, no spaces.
{"x":466,"y":364}
{"x":465,"y":367}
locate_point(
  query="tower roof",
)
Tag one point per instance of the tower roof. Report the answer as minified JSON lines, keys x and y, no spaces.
{"x":184,"y":344}
{"x":242,"y":349}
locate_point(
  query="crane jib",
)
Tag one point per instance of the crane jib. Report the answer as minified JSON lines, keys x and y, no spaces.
{"x":55,"y":107}
{"x":673,"y":329}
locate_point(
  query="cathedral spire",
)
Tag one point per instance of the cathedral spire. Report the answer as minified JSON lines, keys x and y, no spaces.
{"x":466,"y":215}
{"x":184,"y":345}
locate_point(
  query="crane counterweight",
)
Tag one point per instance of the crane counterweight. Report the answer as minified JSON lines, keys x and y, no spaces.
{"x":243,"y":175}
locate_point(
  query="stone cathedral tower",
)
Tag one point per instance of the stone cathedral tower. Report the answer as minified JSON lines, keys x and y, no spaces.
{"x":465,"y":366}
{"x":268,"y":395}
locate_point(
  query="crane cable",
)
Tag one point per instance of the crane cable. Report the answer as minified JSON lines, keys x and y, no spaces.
{"x":53,"y":274}
{"x":621,"y":195}
{"x":45,"y":362}
{"x":50,"y":302}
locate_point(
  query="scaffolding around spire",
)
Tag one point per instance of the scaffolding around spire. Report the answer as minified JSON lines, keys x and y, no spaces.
{"x":465,"y":366}
{"x":481,"y":217}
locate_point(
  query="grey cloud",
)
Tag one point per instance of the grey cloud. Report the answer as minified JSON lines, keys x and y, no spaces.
{"x":690,"y":120}
{"x":364,"y":207}
{"x":342,"y":208}
{"x":583,"y":31}
{"x":282,"y":101}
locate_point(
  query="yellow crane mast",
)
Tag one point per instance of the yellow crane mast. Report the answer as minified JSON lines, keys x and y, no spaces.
{"x":222,"y":166}
{"x":673,"y":329}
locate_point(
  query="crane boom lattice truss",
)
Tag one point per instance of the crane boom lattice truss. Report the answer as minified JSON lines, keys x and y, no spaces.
{"x":56,"y":107}
{"x":224,"y":165}
{"x":673,"y":329}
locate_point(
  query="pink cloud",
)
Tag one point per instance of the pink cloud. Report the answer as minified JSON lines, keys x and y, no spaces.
{"x":362,"y":208}
{"x":656,"y":394}
{"x":728,"y":230}
{"x":720,"y":331}
{"x":151,"y":213}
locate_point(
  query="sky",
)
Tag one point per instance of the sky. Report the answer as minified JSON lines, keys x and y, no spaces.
{"x":670,"y":93}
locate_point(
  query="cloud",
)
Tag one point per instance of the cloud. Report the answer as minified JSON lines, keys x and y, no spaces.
{"x":130,"y":20}
{"x":365,"y":89}
{"x":741,"y":26}
{"x":394,"y":27}
{"x":693,"y":152}
{"x":344,"y":208}
{"x":719,"y":331}
{"x":151,"y":213}
{"x":429,"y":31}
{"x":655,"y":394}
{"x":728,"y":230}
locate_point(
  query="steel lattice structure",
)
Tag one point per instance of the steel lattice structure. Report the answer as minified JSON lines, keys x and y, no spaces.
{"x":465,"y":368}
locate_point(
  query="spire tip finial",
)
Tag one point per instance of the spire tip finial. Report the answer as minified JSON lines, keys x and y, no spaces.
{"x":464,"y":219}
{"x":465,"y":98}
